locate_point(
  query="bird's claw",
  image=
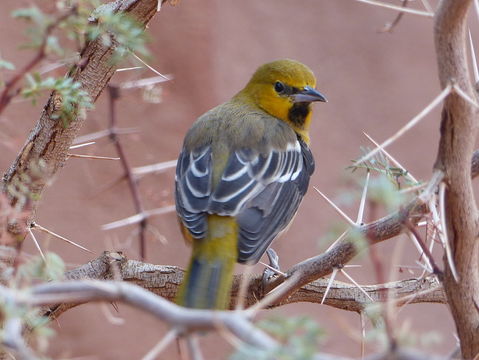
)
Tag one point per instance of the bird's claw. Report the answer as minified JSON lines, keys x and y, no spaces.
{"x":269,"y":272}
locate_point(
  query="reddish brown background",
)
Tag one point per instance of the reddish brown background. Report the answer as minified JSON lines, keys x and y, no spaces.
{"x":374,"y":82}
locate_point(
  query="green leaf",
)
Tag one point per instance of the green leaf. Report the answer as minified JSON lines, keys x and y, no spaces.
{"x":4,"y":64}
{"x":299,"y":336}
{"x":52,"y":268}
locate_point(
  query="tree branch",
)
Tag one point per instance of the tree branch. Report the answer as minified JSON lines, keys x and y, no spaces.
{"x":164,"y":280}
{"x":458,"y":134}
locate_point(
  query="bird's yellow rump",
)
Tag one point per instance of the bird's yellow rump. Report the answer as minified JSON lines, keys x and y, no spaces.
{"x":241,"y":175}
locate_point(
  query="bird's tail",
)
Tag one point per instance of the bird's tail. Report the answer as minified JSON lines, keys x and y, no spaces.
{"x":207,"y":282}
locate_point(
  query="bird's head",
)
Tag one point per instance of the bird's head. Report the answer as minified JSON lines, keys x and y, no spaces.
{"x":285,"y":89}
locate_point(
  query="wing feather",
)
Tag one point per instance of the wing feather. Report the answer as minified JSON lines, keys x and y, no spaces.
{"x":263,"y":192}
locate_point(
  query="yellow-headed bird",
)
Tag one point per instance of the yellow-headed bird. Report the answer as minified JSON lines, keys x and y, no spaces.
{"x":243,"y":170}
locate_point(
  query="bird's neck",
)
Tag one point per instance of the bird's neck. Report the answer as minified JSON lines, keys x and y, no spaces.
{"x":299,"y":118}
{"x":296,"y":115}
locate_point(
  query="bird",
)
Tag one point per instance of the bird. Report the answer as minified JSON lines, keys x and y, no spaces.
{"x":241,"y":174}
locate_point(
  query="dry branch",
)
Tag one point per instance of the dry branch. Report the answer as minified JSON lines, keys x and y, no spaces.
{"x":164,"y":280}
{"x":458,"y":134}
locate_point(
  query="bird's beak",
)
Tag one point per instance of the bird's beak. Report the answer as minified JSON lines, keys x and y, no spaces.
{"x":308,"y":94}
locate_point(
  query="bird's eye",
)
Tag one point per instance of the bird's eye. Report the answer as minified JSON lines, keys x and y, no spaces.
{"x":279,"y":87}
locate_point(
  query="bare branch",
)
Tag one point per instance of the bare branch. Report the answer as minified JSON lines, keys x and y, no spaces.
{"x":458,"y":135}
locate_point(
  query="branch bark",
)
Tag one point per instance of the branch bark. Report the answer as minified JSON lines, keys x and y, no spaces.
{"x":458,"y":134}
{"x":164,"y":280}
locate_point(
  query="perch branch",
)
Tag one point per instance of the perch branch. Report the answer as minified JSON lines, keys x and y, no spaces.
{"x":164,"y":280}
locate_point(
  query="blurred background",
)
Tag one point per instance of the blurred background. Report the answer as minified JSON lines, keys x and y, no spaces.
{"x":374,"y":81}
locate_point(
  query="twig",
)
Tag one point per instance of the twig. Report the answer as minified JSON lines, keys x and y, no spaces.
{"x":114,"y":94}
{"x":135,"y":219}
{"x":393,"y":160}
{"x":435,"y":269}
{"x":388,"y":27}
{"x":6,"y":95}
{"x":159,"y":167}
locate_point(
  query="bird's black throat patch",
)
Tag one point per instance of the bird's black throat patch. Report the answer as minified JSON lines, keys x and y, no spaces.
{"x":298,"y":113}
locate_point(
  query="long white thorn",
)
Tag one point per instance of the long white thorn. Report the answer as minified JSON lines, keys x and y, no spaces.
{"x":37,"y":244}
{"x":138,"y":217}
{"x":473,"y":57}
{"x":463,"y":94}
{"x":437,"y":100}
{"x":393,"y":160}
{"x":158,"y":167}
{"x":150,"y":67}
{"x":104,"y":133}
{"x":397,"y":8}
{"x":341,"y":237}
{"x":421,"y":252}
{"x":363,"y":334}
{"x":81,"y":145}
{"x":92,"y":157}
{"x":362,"y":203}
{"x":129,"y":68}
{"x":335,"y":207}
{"x":41,"y":228}
{"x":442,"y":206}
{"x":272,"y":296}
{"x":427,"y":6}
{"x":145,"y":82}
{"x":194,"y":347}
{"x":161,"y":345}
{"x":356,"y":284}
{"x":330,"y":282}
{"x":277,"y":271}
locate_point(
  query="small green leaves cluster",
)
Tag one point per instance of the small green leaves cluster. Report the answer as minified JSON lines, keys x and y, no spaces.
{"x":379,"y":163}
{"x":299,"y":338}
{"x":71,"y":94}
{"x":50,"y":268}
{"x":35,"y":269}
{"x":403,"y":334}
{"x":20,"y":187}
{"x":61,"y":35}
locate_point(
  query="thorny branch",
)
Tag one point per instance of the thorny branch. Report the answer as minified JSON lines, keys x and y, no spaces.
{"x":164,"y":281}
{"x":114,"y":94}
{"x":458,"y":136}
